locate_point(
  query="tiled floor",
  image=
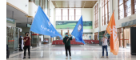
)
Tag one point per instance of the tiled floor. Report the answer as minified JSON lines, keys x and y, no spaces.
{"x":79,"y":52}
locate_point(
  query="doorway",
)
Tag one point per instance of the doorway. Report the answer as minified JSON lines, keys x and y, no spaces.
{"x":124,"y":37}
{"x":127,"y":37}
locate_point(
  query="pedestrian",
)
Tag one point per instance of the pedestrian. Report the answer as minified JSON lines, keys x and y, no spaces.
{"x":20,"y":43}
{"x":27,"y":44}
{"x":104,"y":45}
{"x":66,"y":41}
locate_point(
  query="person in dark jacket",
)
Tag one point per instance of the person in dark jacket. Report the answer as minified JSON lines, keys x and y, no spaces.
{"x":66,"y":41}
{"x":7,"y":51}
{"x":20,"y":43}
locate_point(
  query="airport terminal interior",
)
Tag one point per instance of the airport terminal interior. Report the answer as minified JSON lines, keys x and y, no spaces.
{"x":64,"y":15}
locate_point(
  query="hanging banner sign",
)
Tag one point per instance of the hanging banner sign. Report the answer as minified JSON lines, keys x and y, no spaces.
{"x":9,"y":20}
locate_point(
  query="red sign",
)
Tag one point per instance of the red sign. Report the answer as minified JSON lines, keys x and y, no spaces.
{"x":35,"y":34}
{"x":10,"y":40}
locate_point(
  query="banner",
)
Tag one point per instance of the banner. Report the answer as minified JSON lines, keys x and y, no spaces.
{"x":111,"y":29}
{"x":42,"y":25}
{"x":78,"y":31}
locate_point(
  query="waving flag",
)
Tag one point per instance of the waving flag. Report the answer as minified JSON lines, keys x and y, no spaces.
{"x":42,"y":25}
{"x":78,"y":31}
{"x":111,"y":29}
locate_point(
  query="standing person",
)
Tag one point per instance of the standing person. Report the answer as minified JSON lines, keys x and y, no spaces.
{"x":27,"y":44}
{"x":66,"y":41}
{"x":8,"y":52}
{"x":20,"y":43}
{"x":104,"y":45}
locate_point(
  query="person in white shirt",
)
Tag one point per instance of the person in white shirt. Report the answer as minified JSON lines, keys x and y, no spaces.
{"x":104,"y":45}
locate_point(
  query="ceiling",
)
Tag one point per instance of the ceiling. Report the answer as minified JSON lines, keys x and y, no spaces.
{"x":74,"y":4}
{"x":17,"y":15}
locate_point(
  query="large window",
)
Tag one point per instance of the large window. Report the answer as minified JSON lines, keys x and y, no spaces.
{"x":58,"y":14}
{"x":68,"y":14}
{"x":96,"y":15}
{"x":65,"y":14}
{"x":126,"y":8}
{"x":121,"y":9}
{"x":71,"y":14}
{"x":133,"y":6}
{"x":78,"y":14}
{"x":105,"y":12}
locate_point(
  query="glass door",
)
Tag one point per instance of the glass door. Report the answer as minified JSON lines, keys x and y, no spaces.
{"x":16,"y":36}
{"x":10,"y":38}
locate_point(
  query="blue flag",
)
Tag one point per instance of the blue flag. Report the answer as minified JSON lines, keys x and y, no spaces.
{"x":42,"y":25}
{"x":78,"y":31}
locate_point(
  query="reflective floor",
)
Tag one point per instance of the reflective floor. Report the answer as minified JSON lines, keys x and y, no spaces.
{"x":79,"y":52}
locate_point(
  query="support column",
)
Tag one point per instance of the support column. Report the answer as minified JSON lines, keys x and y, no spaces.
{"x":68,"y":33}
{"x":49,"y":14}
{"x":62,"y":32}
{"x":52,"y":39}
{"x":49,"y":8}
{"x":119,"y":36}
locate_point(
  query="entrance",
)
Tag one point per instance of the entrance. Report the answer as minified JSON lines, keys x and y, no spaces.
{"x":124,"y":37}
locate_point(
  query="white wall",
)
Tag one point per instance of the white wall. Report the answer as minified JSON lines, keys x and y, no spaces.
{"x":21,"y":4}
{"x":32,"y":9}
{"x":87,"y":14}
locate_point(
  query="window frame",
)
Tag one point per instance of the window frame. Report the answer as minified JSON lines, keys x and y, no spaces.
{"x":96,"y":17}
{"x":132,"y":6}
{"x":105,"y":12}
